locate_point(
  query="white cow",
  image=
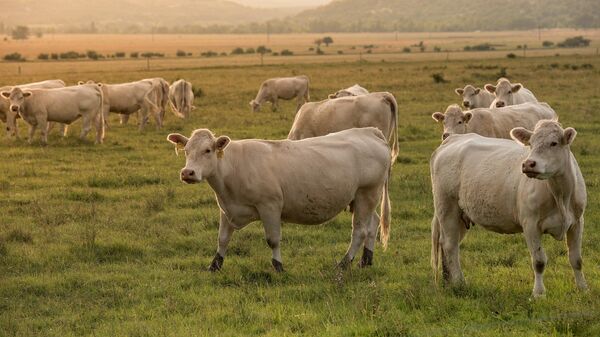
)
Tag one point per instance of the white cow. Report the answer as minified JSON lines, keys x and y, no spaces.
{"x":307,"y":182}
{"x":378,"y":109}
{"x":506,"y":93}
{"x":181,"y":98}
{"x":161,"y":95}
{"x":285,"y":88}
{"x":534,"y":187}
{"x":37,"y":107}
{"x":492,"y":122}
{"x":475,"y":97}
{"x":355,"y":90}
{"x":128,"y":98}
{"x":4,"y":103}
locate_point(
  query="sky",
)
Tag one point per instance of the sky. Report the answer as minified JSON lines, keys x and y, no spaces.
{"x":282,"y":3}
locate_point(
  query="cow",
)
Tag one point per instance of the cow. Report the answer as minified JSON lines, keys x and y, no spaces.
{"x":4,"y":103}
{"x":492,"y":122}
{"x":128,"y":98}
{"x":162,"y":92}
{"x":285,"y":88}
{"x":37,"y":107}
{"x":378,"y":109}
{"x":306,"y":182}
{"x":506,"y":93}
{"x":531,"y":185}
{"x":355,"y":90}
{"x":181,"y":98}
{"x":474,"y":97}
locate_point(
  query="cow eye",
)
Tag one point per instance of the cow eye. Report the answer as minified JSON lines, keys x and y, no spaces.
{"x":207,"y":151}
{"x":459,"y":122}
{"x":553,"y":144}
{"x":510,"y":92}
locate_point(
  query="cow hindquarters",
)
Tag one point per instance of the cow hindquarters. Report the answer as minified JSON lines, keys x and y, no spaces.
{"x":452,"y":230}
{"x":574,"y":235}
{"x":364,"y":203}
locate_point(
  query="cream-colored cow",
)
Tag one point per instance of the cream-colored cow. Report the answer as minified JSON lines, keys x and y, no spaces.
{"x":506,"y":93}
{"x":181,"y":98}
{"x":475,"y":97}
{"x":285,"y":88}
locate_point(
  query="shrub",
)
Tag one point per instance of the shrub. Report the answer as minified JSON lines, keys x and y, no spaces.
{"x":69,"y":55}
{"x":369,"y":51}
{"x":406,"y":50}
{"x":311,"y":49}
{"x":287,"y":52}
{"x":92,"y":55}
{"x":237,"y":51}
{"x":134,"y":55}
{"x":120,"y":54}
{"x":479,"y":47}
{"x":275,"y":54}
{"x":250,"y":50}
{"x":14,"y":57}
{"x":574,"y":42}
{"x":54,"y":56}
{"x":209,"y":53}
{"x":198,"y":92}
{"x":152,"y":54}
{"x":43,"y":56}
{"x":511,"y":56}
{"x":439,"y":78}
{"x":340,"y":52}
{"x":547,"y":44}
{"x":437,"y":49}
{"x":181,"y":53}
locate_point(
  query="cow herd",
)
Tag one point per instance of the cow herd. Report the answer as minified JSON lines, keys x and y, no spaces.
{"x":43,"y":103}
{"x":504,"y":163}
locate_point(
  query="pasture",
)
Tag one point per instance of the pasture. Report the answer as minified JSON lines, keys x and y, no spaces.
{"x":105,"y":241}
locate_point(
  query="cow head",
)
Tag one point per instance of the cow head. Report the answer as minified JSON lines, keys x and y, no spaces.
{"x":202,"y":152}
{"x":549,"y":145}
{"x":503,"y":91}
{"x":255,"y":105}
{"x":341,"y":93}
{"x":469,"y":95}
{"x":454,"y":120}
{"x":16,"y":98}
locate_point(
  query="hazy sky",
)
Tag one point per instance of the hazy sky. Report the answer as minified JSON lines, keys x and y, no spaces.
{"x":282,"y":3}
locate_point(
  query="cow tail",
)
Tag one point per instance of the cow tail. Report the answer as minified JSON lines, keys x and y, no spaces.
{"x":393,"y":141}
{"x":177,"y":107}
{"x":435,"y":246}
{"x":153,"y":90}
{"x":102,"y":122}
{"x":385,"y":219}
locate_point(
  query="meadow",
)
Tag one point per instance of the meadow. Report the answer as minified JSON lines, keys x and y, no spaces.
{"x":106,"y":241}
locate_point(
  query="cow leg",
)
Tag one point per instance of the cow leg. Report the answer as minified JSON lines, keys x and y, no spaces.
{"x":86,"y":126}
{"x":63,"y":129}
{"x":367,"y":257}
{"x":533,"y":237}
{"x":99,"y":126}
{"x":158,"y":118}
{"x":143,"y":118}
{"x":31,"y":133}
{"x":574,"y":245}
{"x":124,"y":118}
{"x":275,"y":105}
{"x":364,"y":206}
{"x":271,"y":218}
{"x":43,"y":123}
{"x":225,"y":233}
{"x":452,"y":230}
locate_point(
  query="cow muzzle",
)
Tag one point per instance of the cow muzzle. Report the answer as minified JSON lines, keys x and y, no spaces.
{"x":466,"y":104}
{"x":14,"y":108}
{"x":529,"y":168}
{"x":500,"y":104}
{"x":445,"y":135}
{"x":189,"y":176}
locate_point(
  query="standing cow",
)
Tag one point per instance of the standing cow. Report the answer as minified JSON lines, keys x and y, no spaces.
{"x":534,"y":187}
{"x":161,"y":95}
{"x":37,"y":107}
{"x":5,"y":104}
{"x":307,"y":182}
{"x":506,"y":93}
{"x":378,"y":109}
{"x":285,"y":88}
{"x":492,"y":122}
{"x":475,"y":97}
{"x":181,"y":98}
{"x":355,"y":90}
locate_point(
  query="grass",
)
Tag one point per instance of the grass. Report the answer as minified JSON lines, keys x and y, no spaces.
{"x":105,"y":241}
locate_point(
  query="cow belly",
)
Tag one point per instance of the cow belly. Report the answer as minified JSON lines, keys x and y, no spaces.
{"x":316,"y":208}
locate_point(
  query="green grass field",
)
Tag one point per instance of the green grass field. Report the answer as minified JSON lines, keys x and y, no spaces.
{"x":106,"y":241}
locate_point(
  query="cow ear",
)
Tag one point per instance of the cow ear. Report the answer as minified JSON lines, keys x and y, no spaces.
{"x":569,"y":136}
{"x":5,"y":94}
{"x":516,"y":87}
{"x":80,"y":82}
{"x":438,"y":116}
{"x":222,"y":142}
{"x":491,"y":88}
{"x":251,"y":103}
{"x":521,"y":135}
{"x":331,"y":96}
{"x":459,"y":91}
{"x":177,"y":138}
{"x":27,"y":93}
{"x":467,"y":117}
{"x":477,"y":91}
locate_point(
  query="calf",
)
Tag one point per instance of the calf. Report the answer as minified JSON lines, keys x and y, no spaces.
{"x":474,"y":97}
{"x":506,"y":93}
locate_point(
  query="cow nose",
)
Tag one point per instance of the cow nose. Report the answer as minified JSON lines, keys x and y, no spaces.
{"x":528,"y":164}
{"x":499,"y":104}
{"x":466,"y":104}
{"x":14,"y":108}
{"x":445,"y":135}
{"x":187,"y":174}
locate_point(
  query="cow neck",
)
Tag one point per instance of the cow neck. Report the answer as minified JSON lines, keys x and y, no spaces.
{"x":562,"y":187}
{"x":220,"y":180}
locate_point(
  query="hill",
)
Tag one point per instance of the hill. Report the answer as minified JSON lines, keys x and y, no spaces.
{"x":450,"y":15}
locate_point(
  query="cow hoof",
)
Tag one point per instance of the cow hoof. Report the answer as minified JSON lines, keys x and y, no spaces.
{"x":216,"y":263}
{"x":345,"y":263}
{"x":277,"y":265}
{"x":367,"y":258}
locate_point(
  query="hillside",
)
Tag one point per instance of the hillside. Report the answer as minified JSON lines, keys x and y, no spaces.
{"x":449,"y":15}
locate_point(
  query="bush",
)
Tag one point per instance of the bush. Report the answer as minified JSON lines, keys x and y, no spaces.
{"x":237,"y":51}
{"x":479,"y":47}
{"x":437,"y":49}
{"x":547,"y":44}
{"x":69,"y":55}
{"x":511,"y":56}
{"x":92,"y":55}
{"x":311,"y":49}
{"x":340,"y":52}
{"x":181,"y":53}
{"x":406,"y":50}
{"x":320,"y":52}
{"x":43,"y":56}
{"x":14,"y":57}
{"x":369,"y":51}
{"x":54,"y":56}
{"x":287,"y":52}
{"x":120,"y":54}
{"x":275,"y":54}
{"x":574,"y":42}
{"x":209,"y":53}
{"x":439,"y":78}
{"x":250,"y":50}
{"x":198,"y":92}
{"x":152,"y":54}
{"x":134,"y":55}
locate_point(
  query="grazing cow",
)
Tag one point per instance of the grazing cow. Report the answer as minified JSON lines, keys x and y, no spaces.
{"x":355,"y":90}
{"x":475,"y":97}
{"x":492,"y":122}
{"x":128,"y":98}
{"x":307,"y":182}
{"x":37,"y":107}
{"x":378,"y":109}
{"x":286,"y":88}
{"x":181,"y":98}
{"x":4,"y":103}
{"x":534,"y":187}
{"x":162,"y":97}
{"x":506,"y":93}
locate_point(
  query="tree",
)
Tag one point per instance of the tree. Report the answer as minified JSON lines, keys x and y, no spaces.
{"x":20,"y":33}
{"x":262,"y":50}
{"x":327,"y":40}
